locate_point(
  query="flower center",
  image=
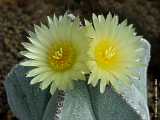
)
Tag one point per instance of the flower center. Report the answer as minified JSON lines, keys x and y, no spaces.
{"x":110,"y":52}
{"x":61,"y":55}
{"x":106,"y":54}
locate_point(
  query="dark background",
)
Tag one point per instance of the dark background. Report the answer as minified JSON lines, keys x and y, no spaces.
{"x":18,"y":16}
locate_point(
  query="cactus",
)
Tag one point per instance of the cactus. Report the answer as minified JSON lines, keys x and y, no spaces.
{"x":29,"y":102}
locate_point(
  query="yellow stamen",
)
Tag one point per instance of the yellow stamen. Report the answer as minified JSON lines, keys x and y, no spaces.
{"x":110,"y":52}
{"x":58,"y":54}
{"x":106,"y":55}
{"x":61,"y":55}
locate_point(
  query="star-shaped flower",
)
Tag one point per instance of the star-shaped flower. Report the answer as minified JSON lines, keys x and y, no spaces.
{"x":57,"y":52}
{"x":115,"y":51}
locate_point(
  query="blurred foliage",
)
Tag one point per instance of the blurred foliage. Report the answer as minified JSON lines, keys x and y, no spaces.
{"x":12,"y":2}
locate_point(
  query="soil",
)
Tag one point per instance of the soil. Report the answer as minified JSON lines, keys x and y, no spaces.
{"x":18,"y":16}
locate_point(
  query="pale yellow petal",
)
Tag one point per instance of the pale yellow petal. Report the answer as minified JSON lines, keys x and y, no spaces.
{"x":41,"y":77}
{"x":37,"y":71}
{"x":53,"y":88}
{"x":46,"y":83}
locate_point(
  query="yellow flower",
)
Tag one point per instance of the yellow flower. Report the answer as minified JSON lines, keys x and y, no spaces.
{"x":58,"y":53}
{"x":115,"y":51}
